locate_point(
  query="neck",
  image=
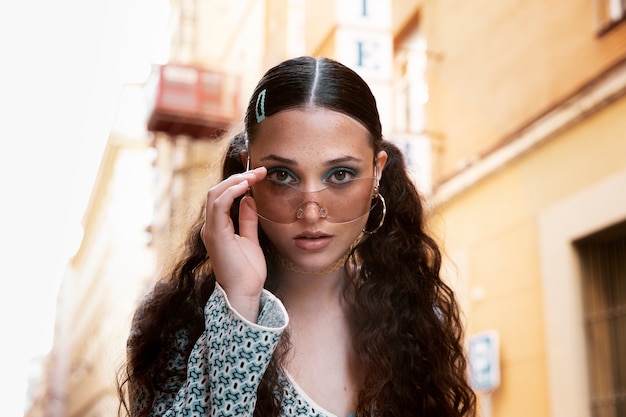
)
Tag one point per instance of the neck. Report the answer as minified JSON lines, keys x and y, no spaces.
{"x":290,"y":266}
{"x":306,"y":291}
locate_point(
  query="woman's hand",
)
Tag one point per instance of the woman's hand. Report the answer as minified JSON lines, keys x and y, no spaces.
{"x":237,"y":260}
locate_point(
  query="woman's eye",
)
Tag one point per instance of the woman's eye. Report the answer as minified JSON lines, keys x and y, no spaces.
{"x":340,"y":176}
{"x":281,"y":176}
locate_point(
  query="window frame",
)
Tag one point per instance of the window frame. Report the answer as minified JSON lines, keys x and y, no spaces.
{"x":609,"y":14}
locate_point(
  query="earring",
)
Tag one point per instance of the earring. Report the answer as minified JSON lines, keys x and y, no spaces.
{"x":384,"y":213}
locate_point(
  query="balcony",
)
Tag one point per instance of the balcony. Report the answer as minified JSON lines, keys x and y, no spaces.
{"x":191,"y":101}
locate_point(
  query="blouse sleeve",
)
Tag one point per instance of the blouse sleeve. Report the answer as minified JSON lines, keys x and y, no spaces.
{"x":229,"y":359}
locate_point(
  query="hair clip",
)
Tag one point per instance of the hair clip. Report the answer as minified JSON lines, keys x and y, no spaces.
{"x":260,"y":106}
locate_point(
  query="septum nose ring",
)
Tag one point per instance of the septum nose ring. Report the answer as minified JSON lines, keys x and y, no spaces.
{"x":304,"y":205}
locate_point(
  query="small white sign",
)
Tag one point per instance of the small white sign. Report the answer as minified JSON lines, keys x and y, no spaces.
{"x":368,"y":53}
{"x":484,"y":361}
{"x":368,"y":14}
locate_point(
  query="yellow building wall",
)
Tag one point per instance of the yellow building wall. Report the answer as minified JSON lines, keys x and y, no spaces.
{"x":496,"y":66}
{"x":402,"y":11}
{"x":320,"y":24}
{"x":276,"y":22}
{"x":491,"y":235}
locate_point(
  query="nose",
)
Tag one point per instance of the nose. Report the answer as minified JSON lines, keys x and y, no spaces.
{"x":311,"y":211}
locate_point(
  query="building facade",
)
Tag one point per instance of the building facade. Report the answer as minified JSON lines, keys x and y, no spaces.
{"x":528,"y":101}
{"x":512,"y":117}
{"x":113,"y":267}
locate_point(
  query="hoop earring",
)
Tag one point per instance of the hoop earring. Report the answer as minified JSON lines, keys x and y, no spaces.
{"x":382,"y":219}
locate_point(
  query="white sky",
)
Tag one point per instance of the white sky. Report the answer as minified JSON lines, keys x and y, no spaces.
{"x":62,"y":64}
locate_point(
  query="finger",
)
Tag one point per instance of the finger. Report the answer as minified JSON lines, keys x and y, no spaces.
{"x":220,"y":199}
{"x":248,"y":220}
{"x":217,"y":212}
{"x":235,"y":179}
{"x":259,"y":173}
{"x":230,"y":188}
{"x":256,"y":174}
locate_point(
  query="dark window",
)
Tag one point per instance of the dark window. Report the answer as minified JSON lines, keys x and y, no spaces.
{"x":603,"y":267}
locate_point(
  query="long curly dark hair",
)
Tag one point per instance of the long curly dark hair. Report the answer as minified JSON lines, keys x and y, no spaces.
{"x":408,"y":332}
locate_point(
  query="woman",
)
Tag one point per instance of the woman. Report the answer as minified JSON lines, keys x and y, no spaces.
{"x":310,"y":286}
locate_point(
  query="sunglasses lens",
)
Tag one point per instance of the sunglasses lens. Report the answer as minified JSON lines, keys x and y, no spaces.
{"x":337,"y":203}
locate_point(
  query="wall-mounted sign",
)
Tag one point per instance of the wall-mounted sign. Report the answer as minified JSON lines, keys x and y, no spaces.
{"x":364,"y":42}
{"x":371,"y":14}
{"x":484,"y":361}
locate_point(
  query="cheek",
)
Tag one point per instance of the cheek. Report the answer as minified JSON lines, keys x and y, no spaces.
{"x":276,"y":233}
{"x":351,"y":231}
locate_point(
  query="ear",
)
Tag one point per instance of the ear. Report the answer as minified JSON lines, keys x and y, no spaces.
{"x":381,"y":160}
{"x":245,"y":161}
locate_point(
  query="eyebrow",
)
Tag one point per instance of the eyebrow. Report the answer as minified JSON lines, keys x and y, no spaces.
{"x":288,"y":161}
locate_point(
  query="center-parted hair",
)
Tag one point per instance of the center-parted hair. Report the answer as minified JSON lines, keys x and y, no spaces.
{"x":407,"y":334}
{"x":307,"y":81}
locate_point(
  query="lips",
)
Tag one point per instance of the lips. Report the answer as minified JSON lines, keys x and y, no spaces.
{"x":312,"y":241}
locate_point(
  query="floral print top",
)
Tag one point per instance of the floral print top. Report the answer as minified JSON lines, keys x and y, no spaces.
{"x":227,"y":363}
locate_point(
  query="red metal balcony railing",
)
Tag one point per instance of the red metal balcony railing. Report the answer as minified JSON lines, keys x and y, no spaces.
{"x":192,"y":101}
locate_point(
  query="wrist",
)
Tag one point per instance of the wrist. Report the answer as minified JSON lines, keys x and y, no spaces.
{"x":246,"y":305}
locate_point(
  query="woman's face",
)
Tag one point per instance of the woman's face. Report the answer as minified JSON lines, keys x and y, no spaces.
{"x":319,"y":184}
